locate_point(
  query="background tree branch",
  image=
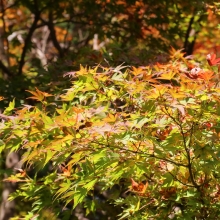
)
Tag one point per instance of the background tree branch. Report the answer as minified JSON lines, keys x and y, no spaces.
{"x":53,"y":36}
{"x":28,"y":38}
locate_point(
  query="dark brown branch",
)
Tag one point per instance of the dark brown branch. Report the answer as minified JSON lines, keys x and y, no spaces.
{"x":5,"y":33}
{"x":53,"y":34}
{"x":28,"y":39}
{"x":188,"y":46}
{"x":5,"y":69}
{"x":188,"y":35}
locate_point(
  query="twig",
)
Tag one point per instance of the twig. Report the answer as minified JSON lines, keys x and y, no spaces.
{"x":174,"y":177}
{"x":187,"y":149}
{"x":143,"y":154}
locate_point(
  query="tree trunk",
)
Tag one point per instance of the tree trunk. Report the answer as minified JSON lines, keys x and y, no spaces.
{"x":7,"y":208}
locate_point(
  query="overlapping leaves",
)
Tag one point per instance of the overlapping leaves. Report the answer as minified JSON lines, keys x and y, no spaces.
{"x":156,"y":126}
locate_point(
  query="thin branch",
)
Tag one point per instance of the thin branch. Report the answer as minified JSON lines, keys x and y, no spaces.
{"x":174,"y":177}
{"x":168,"y":160}
{"x":143,"y":154}
{"x":187,"y":149}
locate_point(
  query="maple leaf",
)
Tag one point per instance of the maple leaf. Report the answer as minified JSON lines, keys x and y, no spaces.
{"x":206,"y":75}
{"x":21,"y":171}
{"x":176,"y":94}
{"x":101,"y":129}
{"x":66,"y":171}
{"x":82,"y":71}
{"x":189,"y":65}
{"x":212,"y":59}
{"x":15,"y":178}
{"x":140,"y":188}
{"x":111,"y":118}
{"x":77,"y":110}
{"x":179,"y":54}
{"x":134,"y":184}
{"x":167,"y":76}
{"x":180,"y":108}
{"x":162,"y":135}
{"x":137,"y":71}
{"x":168,"y":192}
{"x":38,"y":95}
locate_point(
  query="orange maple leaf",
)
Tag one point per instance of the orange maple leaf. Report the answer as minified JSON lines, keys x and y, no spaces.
{"x":21,"y":171}
{"x":66,"y":171}
{"x":207,"y":75}
{"x":168,"y":192}
{"x":212,"y":59}
{"x":140,"y":188}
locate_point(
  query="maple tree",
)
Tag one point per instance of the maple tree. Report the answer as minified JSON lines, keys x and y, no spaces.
{"x":158,"y":140}
{"x":34,"y":33}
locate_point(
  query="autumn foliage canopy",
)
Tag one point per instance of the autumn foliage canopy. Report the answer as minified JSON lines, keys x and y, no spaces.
{"x":149,"y":136}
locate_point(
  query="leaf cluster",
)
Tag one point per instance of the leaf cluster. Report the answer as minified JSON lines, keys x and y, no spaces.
{"x":145,"y":138}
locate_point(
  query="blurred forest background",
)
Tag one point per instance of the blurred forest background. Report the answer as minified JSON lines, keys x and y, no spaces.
{"x":40,"y":41}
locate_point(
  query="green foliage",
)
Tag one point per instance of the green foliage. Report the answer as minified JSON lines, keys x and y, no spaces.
{"x":152,"y":131}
